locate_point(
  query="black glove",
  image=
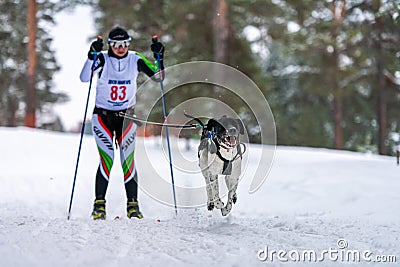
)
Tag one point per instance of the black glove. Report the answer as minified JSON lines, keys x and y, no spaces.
{"x":96,"y":46}
{"x":157,"y":48}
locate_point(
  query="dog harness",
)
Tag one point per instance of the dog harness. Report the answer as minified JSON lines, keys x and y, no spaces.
{"x":227,"y":169}
{"x":215,"y":148}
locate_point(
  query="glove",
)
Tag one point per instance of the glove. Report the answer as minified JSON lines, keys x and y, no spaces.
{"x":96,"y":46}
{"x":157,"y":47}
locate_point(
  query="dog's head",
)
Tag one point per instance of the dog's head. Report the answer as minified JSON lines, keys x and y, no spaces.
{"x":227,"y":130}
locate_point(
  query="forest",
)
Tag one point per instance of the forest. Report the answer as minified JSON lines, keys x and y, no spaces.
{"x":328,"y":68}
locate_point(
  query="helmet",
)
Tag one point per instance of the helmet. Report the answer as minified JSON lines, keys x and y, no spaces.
{"x":118,"y":34}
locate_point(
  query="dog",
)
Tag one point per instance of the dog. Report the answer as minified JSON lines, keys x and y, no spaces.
{"x":220,"y":153}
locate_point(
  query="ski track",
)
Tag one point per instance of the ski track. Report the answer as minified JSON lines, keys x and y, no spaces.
{"x":195,"y":238}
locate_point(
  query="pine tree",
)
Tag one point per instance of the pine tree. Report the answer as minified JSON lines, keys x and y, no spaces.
{"x":14,"y":66}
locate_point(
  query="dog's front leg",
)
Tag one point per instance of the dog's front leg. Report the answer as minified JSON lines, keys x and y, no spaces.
{"x":232,"y":184}
{"x":210,"y":202}
{"x":215,"y":199}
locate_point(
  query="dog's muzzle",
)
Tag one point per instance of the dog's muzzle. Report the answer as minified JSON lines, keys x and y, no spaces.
{"x":230,"y":138}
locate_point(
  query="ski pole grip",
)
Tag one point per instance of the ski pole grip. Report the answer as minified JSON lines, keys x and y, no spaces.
{"x":99,"y":38}
{"x":154,"y":39}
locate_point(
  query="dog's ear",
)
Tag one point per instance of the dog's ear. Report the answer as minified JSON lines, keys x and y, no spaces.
{"x":214,"y":125}
{"x":241,"y":126}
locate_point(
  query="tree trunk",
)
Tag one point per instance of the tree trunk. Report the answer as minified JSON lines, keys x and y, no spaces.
{"x":30,"y":110}
{"x":381,"y":98}
{"x":221,"y":31}
{"x":338,"y":120}
{"x":220,"y":50}
{"x":338,"y":12}
{"x":12,"y":106}
{"x":382,"y":115}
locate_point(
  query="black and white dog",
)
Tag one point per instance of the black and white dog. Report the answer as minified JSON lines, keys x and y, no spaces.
{"x":220,"y":153}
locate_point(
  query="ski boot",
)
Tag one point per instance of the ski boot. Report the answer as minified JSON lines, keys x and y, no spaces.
{"x":99,"y":210}
{"x":133,"y":210}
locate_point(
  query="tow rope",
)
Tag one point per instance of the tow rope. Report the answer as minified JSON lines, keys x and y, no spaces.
{"x":141,"y":121}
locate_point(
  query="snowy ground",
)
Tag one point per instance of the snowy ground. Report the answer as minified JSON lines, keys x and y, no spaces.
{"x":311,"y":199}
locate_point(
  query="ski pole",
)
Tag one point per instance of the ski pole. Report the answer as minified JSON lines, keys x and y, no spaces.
{"x":99,"y":38}
{"x":154,"y":40}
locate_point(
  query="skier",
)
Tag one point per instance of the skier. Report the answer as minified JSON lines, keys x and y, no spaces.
{"x":117,"y":71}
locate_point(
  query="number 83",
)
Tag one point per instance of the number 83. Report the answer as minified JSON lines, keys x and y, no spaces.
{"x":118,"y":92}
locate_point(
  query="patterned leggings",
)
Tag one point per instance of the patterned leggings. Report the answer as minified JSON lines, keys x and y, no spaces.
{"x":106,"y":126}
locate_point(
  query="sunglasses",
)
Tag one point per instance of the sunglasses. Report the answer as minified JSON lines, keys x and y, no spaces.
{"x":118,"y":43}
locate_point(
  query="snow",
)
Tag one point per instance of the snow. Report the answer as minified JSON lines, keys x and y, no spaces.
{"x":311,"y":199}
